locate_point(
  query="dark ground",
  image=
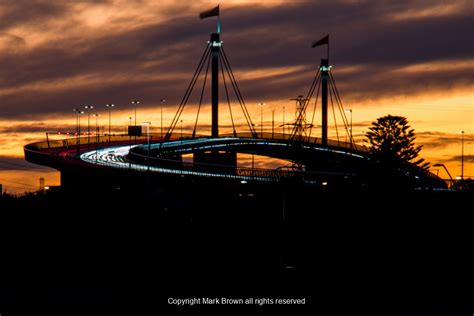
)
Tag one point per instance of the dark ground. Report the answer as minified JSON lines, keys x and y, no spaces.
{"x":382,"y":253}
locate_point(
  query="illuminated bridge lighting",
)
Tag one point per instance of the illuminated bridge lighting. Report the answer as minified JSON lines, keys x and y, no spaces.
{"x":116,"y":157}
{"x":202,"y":144}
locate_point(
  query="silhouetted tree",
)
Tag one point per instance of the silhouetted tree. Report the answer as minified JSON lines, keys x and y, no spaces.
{"x":393,"y":142}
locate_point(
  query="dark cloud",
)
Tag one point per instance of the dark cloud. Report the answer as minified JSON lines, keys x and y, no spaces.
{"x":38,"y":127}
{"x":157,"y":60}
{"x":467,"y":158}
{"x":436,"y":140}
{"x":20,"y":12}
{"x":19,"y":163}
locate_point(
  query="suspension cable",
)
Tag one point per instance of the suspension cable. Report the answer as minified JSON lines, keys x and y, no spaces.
{"x":228,"y":99}
{"x":238,"y":93}
{"x":340,"y":107}
{"x":309,"y":95}
{"x":315,"y":107}
{"x":346,"y":123}
{"x":334,"y":115}
{"x":187,"y":94}
{"x":202,"y":94}
{"x":235,"y":89}
{"x":343,"y":115}
{"x":226,"y":67}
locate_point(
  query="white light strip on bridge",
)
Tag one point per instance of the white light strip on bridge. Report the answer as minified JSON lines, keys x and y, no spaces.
{"x":115,"y":157}
{"x":237,"y":142}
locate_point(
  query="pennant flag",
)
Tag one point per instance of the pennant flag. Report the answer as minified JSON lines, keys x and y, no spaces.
{"x":209,"y":13}
{"x":324,"y":40}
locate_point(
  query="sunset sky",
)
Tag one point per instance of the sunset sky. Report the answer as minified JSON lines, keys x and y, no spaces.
{"x":409,"y":58}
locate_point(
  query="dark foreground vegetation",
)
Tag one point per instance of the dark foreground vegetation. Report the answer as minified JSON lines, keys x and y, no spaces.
{"x":402,"y":253}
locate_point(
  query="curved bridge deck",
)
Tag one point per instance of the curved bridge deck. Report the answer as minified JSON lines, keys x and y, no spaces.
{"x":144,"y":154}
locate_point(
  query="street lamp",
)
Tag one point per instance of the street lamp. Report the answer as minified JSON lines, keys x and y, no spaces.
{"x":78,"y":128}
{"x":96,"y":115}
{"x":284,"y":108}
{"x":130,"y":142}
{"x":148,"y":141}
{"x":462,"y":155}
{"x":273,"y":124}
{"x":97,"y":134}
{"x":161,"y":118}
{"x":76,"y":110}
{"x":135,"y":103}
{"x":261,"y":118}
{"x":147,"y":131}
{"x":253,"y":154}
{"x":447,"y":171}
{"x":181,"y":128}
{"x":350,"y":111}
{"x":110,"y":106}
{"x":88,"y":108}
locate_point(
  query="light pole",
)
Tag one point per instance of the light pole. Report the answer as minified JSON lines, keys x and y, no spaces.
{"x":110,"y":106}
{"x":147,"y":132}
{"x":88,"y":109}
{"x":447,"y":171}
{"x":97,"y":134}
{"x":284,"y":108}
{"x":129,"y":142}
{"x":273,"y":124}
{"x":261,"y":104}
{"x":96,"y":115}
{"x":350,"y":135}
{"x":253,"y":159}
{"x":181,"y":129}
{"x":148,"y":141}
{"x":127,"y":130}
{"x":76,"y":110}
{"x":78,"y":128}
{"x":135,"y":103}
{"x":462,"y":155}
{"x":161,"y":118}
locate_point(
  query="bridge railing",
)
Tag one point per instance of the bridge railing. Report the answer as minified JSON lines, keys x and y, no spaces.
{"x":106,"y":139}
{"x":305,"y":139}
{"x":212,"y":169}
{"x":89,"y":142}
{"x":72,"y":145}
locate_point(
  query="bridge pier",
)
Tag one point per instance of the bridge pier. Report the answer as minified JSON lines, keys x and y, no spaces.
{"x":215,"y":48}
{"x":324,"y":100}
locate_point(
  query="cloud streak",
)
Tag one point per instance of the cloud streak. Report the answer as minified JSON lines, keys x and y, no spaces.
{"x":152,"y":59}
{"x":437,"y":140}
{"x":389,"y":56}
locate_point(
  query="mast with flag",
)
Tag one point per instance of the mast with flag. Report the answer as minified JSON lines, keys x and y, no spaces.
{"x":323,"y":41}
{"x":215,"y":44}
{"x":212,"y":12}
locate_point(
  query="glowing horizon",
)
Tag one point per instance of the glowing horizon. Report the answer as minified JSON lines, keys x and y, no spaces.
{"x":387,"y":59}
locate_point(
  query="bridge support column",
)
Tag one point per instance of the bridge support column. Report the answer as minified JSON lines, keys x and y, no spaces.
{"x":324,"y":100}
{"x":215,"y":47}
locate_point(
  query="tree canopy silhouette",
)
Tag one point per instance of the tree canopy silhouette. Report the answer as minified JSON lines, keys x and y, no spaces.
{"x":392,"y":141}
